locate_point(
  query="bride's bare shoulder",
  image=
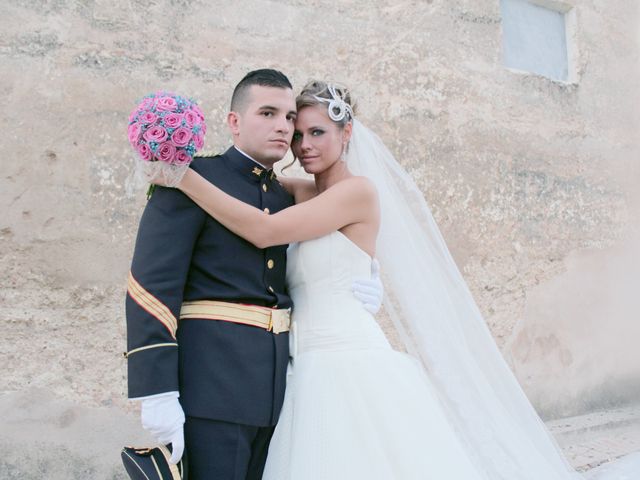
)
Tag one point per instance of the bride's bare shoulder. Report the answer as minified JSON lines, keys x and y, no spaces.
{"x":302,"y":189}
{"x":357,"y":191}
{"x":364,"y":185}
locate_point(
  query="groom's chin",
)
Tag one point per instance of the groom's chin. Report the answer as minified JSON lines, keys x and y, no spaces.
{"x":274,"y":155}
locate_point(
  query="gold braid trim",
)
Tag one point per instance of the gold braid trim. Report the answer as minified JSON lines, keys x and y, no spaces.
{"x":152,"y":305}
{"x":175,"y":473}
{"x":147,"y":347}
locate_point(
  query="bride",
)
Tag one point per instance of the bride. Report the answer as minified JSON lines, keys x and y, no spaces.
{"x":355,"y":408}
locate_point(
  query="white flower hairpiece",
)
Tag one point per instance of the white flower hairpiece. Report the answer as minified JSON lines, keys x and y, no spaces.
{"x":338,"y":108}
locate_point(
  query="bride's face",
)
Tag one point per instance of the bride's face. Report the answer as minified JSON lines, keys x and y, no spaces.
{"x":317,"y":140}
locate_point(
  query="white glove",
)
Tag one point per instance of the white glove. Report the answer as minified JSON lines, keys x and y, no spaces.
{"x":369,"y":290}
{"x":163,"y":417}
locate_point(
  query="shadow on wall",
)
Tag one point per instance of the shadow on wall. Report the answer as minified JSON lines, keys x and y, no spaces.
{"x":576,"y":347}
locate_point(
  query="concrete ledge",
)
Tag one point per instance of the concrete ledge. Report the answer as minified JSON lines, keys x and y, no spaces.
{"x":598,"y":438}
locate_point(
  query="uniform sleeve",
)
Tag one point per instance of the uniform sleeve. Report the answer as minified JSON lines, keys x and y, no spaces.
{"x":167,"y":235}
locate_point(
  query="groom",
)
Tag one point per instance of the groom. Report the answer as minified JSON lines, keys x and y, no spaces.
{"x":225,"y":366}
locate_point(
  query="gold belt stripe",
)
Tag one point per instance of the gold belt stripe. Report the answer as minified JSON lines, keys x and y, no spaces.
{"x":152,"y":305}
{"x":254,"y":315}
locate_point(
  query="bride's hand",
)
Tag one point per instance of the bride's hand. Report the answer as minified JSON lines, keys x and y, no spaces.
{"x":158,"y":178}
{"x":159,"y":174}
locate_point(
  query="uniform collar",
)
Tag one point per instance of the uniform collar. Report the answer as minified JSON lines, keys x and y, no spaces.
{"x":247,"y":166}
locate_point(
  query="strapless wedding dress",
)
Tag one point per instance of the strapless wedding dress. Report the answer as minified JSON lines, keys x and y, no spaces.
{"x":354,"y":408}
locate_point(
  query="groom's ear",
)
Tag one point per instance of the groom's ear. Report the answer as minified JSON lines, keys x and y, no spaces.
{"x":233,"y":121}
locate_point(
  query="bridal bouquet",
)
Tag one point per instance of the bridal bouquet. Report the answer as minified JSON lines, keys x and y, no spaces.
{"x":166,"y":130}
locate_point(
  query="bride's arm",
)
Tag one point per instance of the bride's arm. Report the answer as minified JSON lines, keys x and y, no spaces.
{"x":350,"y":201}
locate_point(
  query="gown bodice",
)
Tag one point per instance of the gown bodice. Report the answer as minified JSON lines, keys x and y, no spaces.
{"x":326,"y":314}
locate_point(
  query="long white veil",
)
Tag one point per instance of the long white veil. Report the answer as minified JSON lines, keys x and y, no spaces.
{"x":440,"y":324}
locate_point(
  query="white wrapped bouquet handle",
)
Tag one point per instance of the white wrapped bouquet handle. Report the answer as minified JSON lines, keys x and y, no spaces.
{"x":164,"y":174}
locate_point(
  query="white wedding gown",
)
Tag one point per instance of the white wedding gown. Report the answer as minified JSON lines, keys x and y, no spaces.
{"x":354,"y":407}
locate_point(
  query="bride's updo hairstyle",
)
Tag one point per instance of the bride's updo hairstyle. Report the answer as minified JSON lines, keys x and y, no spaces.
{"x":335,"y":97}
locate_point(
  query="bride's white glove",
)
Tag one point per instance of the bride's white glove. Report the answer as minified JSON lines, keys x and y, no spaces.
{"x":163,"y":417}
{"x":370,"y":290}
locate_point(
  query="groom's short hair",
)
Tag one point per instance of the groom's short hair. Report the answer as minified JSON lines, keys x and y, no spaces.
{"x":265,"y":77}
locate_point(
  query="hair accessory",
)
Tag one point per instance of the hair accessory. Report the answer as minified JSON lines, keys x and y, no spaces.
{"x":338,"y":108}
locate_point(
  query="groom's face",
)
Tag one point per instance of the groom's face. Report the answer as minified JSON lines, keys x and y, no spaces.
{"x":263,"y":126}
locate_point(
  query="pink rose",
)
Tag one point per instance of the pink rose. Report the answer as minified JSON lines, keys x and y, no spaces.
{"x":190,"y":118}
{"x":198,"y":112}
{"x":198,"y":140}
{"x":134,"y":133}
{"x":182,"y":157}
{"x":181,"y":137}
{"x":166,"y":152}
{"x":144,"y":151}
{"x":155,"y":134}
{"x":172,"y":120}
{"x":148,"y":117}
{"x":166,"y":104}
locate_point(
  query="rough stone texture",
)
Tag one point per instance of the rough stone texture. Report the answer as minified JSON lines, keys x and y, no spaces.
{"x":532,"y":181}
{"x":44,"y":437}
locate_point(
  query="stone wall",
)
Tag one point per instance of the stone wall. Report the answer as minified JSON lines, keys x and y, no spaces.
{"x":532,"y":181}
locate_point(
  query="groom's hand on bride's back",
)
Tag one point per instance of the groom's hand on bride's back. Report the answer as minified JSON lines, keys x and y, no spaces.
{"x":369,"y":290}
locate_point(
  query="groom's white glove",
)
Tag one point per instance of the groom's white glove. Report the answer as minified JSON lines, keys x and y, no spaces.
{"x":370,"y":290}
{"x":163,"y":417}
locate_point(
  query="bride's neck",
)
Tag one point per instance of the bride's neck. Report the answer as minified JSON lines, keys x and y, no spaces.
{"x":332,"y":175}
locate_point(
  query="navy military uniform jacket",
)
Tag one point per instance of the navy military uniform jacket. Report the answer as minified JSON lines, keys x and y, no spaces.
{"x":224,"y":371}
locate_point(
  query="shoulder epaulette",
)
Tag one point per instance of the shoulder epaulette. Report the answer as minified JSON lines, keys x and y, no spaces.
{"x":206,"y":153}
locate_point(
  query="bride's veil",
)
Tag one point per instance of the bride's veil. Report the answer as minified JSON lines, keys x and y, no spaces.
{"x":440,"y":324}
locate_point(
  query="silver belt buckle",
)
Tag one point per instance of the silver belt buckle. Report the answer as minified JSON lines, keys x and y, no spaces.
{"x":280,"y":320}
